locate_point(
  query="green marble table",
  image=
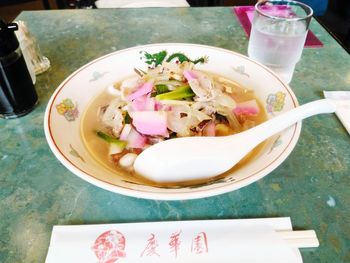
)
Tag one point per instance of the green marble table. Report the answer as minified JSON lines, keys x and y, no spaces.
{"x":37,"y":191}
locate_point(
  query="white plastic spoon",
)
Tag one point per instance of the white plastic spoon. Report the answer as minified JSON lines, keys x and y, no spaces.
{"x":193,"y":158}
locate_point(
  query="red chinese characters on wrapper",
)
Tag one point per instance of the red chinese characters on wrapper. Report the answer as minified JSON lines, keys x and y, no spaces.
{"x":200,"y":243}
{"x":109,"y":247}
{"x":151,"y":247}
{"x":175,"y":243}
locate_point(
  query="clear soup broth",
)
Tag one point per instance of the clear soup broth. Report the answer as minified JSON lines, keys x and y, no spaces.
{"x":244,"y":119}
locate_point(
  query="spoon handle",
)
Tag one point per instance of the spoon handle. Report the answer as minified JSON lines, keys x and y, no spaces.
{"x":263,"y":131}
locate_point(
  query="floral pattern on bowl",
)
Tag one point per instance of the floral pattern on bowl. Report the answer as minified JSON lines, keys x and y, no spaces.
{"x":68,"y":109}
{"x":275,"y":102}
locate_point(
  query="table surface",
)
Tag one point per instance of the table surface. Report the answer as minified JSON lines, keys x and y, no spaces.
{"x":37,"y":191}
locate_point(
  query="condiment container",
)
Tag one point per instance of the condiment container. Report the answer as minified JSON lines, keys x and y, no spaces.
{"x":17,"y":92}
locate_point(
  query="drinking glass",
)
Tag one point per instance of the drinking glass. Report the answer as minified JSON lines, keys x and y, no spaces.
{"x":278,"y":34}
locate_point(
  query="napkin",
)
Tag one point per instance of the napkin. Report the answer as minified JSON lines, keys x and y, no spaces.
{"x":240,"y":240}
{"x":342,"y":99}
{"x":245,"y":16}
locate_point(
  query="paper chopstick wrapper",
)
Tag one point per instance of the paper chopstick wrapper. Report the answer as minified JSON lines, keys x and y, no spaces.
{"x":342,"y":99}
{"x":242,"y":240}
{"x":36,"y":62}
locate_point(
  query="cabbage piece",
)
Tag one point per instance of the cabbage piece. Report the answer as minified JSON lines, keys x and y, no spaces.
{"x":183,"y":117}
{"x":129,"y":85}
{"x":179,"y":116}
{"x":224,"y":100}
{"x":202,"y":94}
{"x":199,"y":116}
{"x":113,"y":116}
{"x":172,"y":67}
{"x":165,"y":72}
{"x":204,"y":106}
{"x":202,"y":86}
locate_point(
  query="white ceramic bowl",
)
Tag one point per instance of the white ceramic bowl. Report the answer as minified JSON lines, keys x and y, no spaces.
{"x":67,"y":104}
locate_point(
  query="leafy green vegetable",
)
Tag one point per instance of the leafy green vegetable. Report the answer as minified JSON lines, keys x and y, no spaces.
{"x":161,"y":88}
{"x":178,"y":94}
{"x":127,"y":118}
{"x":111,"y":139}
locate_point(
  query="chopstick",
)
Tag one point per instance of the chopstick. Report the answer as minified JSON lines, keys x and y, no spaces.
{"x":300,"y":238}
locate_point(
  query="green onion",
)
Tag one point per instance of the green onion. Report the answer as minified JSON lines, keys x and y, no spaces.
{"x":127,"y":118}
{"x":111,"y":139}
{"x":161,"y":88}
{"x":178,"y":94}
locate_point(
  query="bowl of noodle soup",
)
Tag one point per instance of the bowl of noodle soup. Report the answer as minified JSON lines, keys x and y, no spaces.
{"x":106,"y":112}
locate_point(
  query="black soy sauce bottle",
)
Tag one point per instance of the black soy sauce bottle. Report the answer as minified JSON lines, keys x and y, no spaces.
{"x":17,"y":92}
